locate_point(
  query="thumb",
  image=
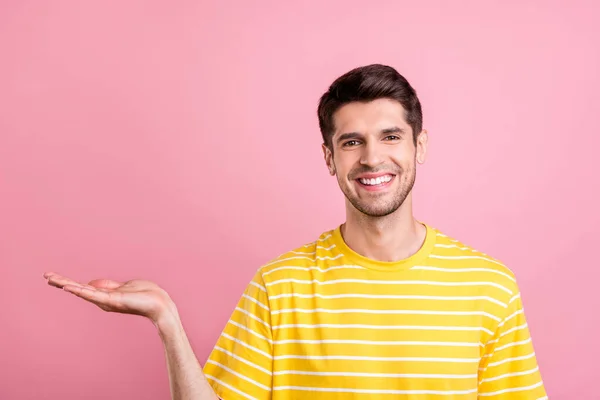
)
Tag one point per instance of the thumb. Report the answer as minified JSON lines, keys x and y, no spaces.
{"x":105,"y":284}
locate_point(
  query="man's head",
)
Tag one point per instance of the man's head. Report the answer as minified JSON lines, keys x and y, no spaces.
{"x":371,"y":123}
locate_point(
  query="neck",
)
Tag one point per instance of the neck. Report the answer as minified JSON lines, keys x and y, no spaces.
{"x":391,"y":238}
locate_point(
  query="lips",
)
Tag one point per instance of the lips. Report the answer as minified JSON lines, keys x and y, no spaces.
{"x":375,"y":182}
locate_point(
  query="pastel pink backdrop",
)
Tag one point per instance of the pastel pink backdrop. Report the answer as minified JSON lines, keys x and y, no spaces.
{"x":178,"y":142}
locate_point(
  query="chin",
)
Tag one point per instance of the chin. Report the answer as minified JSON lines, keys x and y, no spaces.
{"x":374,"y":211}
{"x":378,"y":214}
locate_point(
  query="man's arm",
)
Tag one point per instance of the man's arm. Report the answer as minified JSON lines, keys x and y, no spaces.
{"x":187,"y":381}
{"x":240,"y":366}
{"x":147,"y":299}
{"x":509,"y":368}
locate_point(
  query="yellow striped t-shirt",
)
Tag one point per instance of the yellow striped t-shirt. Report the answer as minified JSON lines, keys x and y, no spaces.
{"x":324,"y":322}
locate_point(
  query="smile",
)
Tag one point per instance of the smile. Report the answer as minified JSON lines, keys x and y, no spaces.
{"x":375,"y":183}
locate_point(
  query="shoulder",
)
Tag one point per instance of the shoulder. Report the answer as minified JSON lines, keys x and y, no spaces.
{"x":304,"y":257}
{"x":453,"y":253}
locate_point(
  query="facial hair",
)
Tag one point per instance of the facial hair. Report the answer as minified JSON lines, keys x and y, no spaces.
{"x":372,"y":207}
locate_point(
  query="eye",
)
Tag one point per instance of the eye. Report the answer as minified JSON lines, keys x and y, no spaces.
{"x":350,"y":143}
{"x":392,"y":137}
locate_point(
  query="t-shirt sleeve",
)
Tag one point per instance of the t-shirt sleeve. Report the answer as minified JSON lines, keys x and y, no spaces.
{"x":509,"y":368}
{"x":240,"y":364}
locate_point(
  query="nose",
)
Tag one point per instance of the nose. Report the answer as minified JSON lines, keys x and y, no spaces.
{"x":371,"y":155}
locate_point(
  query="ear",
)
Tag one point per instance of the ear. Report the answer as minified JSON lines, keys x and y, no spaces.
{"x":422,"y":141}
{"x":328,"y":159}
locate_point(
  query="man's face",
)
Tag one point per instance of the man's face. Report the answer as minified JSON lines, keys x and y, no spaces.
{"x":374,"y":155}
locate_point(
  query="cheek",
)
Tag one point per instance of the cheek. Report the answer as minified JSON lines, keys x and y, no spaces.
{"x":405,"y":159}
{"x":343,"y":165}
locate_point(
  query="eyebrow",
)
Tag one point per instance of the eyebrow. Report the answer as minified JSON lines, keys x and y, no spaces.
{"x":348,"y":135}
{"x":394,"y":129}
{"x":355,"y":135}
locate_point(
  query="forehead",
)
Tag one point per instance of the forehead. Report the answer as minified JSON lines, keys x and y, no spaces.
{"x":370,"y":116}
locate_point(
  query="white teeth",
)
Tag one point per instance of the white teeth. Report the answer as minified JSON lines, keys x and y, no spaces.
{"x":376,"y":181}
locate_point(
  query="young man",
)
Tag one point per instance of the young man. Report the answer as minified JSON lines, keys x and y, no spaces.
{"x":380,"y":306}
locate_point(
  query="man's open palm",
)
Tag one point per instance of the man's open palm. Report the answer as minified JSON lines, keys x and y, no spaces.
{"x":133,"y":297}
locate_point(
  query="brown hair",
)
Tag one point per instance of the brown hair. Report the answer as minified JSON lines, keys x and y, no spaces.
{"x":364,"y":84}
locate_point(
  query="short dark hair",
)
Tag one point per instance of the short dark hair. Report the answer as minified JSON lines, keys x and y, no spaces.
{"x":364,"y":84}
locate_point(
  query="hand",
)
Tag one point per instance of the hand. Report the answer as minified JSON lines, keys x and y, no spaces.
{"x":137,"y":297}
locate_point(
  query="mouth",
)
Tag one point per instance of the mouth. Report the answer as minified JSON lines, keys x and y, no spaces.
{"x":374,"y":183}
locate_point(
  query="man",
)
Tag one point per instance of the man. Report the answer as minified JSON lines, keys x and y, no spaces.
{"x":382,"y":306}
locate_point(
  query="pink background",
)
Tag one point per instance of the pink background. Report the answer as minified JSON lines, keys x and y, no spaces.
{"x":178,"y":142}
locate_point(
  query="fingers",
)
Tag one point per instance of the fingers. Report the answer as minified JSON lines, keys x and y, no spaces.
{"x":90,"y":294}
{"x":99,"y":295}
{"x":105,"y":284}
{"x":60,"y":281}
